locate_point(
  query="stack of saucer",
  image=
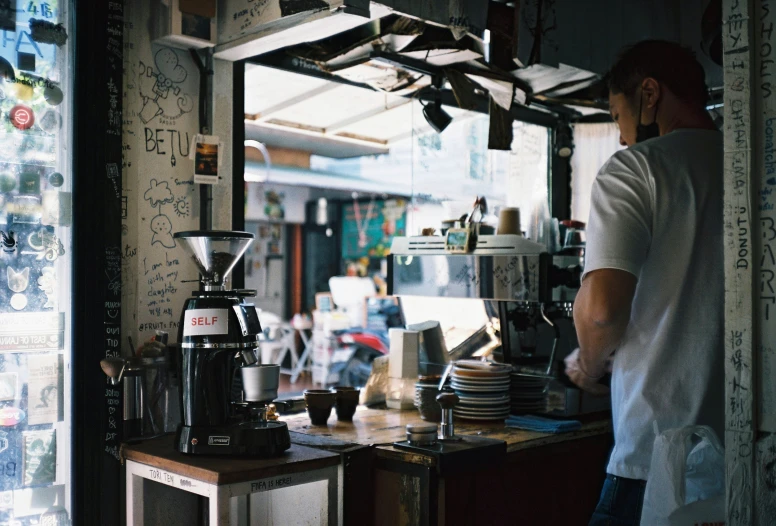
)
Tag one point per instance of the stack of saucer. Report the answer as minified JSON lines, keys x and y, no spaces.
{"x":483,"y":389}
{"x":528,"y":395}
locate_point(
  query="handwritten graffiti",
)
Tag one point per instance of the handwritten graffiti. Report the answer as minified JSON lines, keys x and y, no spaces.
{"x":158,"y":194}
{"x":160,"y":89}
{"x":155,"y":141}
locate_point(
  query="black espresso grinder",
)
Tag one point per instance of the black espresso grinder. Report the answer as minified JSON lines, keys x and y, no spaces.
{"x":224,"y":413}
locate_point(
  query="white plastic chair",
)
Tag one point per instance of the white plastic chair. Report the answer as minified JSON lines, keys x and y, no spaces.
{"x":282,"y":343}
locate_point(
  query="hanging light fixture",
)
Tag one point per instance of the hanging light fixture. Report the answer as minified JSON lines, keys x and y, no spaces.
{"x":564,"y":141}
{"x":436,"y":117}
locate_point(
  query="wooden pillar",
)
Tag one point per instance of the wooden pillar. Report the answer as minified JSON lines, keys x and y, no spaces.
{"x":297,"y":270}
{"x":750,"y":232}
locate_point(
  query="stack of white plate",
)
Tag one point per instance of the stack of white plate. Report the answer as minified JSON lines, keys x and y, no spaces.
{"x":483,"y":389}
{"x":528,"y":395}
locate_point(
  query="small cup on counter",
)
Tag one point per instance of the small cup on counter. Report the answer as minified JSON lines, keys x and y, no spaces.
{"x":347,"y":401}
{"x":509,"y":221}
{"x":426,"y":391}
{"x":319,"y":403}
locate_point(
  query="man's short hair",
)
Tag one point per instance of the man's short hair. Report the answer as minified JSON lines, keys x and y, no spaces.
{"x":667,"y":62}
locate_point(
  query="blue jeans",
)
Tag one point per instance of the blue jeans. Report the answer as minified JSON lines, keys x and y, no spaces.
{"x":620,"y":502}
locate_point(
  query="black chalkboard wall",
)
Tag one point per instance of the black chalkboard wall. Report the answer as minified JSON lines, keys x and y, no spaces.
{"x":96,"y":471}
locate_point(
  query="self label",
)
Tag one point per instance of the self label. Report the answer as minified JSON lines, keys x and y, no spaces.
{"x":202,"y":322}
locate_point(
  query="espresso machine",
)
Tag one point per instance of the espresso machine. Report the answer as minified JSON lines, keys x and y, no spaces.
{"x":529,"y":292}
{"x":224,"y":412}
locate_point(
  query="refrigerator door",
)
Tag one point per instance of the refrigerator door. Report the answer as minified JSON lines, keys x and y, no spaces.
{"x":35,"y":269}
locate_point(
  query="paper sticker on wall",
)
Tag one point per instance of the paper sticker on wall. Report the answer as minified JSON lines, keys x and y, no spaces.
{"x":10,"y":416}
{"x":43,"y":389}
{"x":6,"y":498}
{"x":55,"y":518}
{"x":7,"y":182}
{"x":8,"y":242}
{"x":56,"y":179}
{"x":53,"y":95}
{"x":47,"y":282}
{"x":206,"y":159}
{"x":8,"y":15}
{"x":26,"y":209}
{"x":57,"y":208}
{"x":9,"y":387}
{"x":23,"y":92}
{"x":44,"y":244}
{"x":32,"y":331}
{"x":22,"y":116}
{"x":10,"y":459}
{"x":39,"y":458}
{"x":6,"y":69}
{"x":18,"y":280}
{"x":29,"y":183}
{"x":48,"y":33}
{"x":50,"y":122}
{"x":25,"y":61}
{"x":18,"y":301}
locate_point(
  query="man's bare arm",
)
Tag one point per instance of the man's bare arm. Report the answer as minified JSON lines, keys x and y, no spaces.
{"x":601,"y":314}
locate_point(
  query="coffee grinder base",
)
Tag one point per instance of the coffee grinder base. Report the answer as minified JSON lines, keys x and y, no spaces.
{"x":255,"y":439}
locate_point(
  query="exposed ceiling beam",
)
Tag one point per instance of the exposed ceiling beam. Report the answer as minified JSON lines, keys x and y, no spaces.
{"x":285,"y":62}
{"x":404,"y":135}
{"x":401,"y":101}
{"x":286,"y":137}
{"x":287,"y":103}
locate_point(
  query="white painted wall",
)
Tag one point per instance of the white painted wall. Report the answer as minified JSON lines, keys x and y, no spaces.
{"x":159,"y":127}
{"x":239,"y":18}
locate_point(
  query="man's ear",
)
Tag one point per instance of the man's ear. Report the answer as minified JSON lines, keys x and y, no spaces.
{"x":650,"y":91}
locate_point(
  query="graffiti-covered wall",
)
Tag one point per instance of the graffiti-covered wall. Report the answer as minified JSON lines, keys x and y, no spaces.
{"x":161,"y":86}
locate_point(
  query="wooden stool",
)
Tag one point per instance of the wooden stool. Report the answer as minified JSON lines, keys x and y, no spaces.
{"x":241,"y":490}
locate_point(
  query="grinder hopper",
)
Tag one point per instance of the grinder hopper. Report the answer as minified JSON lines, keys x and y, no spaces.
{"x":215,"y":252}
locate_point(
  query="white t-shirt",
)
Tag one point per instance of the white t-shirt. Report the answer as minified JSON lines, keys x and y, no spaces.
{"x":656,"y":212}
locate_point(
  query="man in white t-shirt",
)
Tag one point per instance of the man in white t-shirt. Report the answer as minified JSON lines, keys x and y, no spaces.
{"x":652,"y":290}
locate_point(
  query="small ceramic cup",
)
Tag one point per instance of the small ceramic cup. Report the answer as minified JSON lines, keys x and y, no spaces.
{"x":319,"y":403}
{"x":347,"y":401}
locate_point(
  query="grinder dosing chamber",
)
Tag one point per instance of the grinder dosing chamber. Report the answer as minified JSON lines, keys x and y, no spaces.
{"x":215,"y":327}
{"x":215,"y":253}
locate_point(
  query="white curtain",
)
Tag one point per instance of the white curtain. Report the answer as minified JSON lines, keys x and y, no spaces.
{"x":593,"y":145}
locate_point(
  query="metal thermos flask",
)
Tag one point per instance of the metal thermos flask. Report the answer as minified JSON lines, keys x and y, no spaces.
{"x":133,"y":403}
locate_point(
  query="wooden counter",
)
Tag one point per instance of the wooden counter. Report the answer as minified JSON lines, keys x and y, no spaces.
{"x":165,"y":486}
{"x":545,"y":478}
{"x":160,"y":453}
{"x":383,"y":427}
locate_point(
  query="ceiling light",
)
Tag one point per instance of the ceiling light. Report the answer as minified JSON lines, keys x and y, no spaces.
{"x":436,"y":117}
